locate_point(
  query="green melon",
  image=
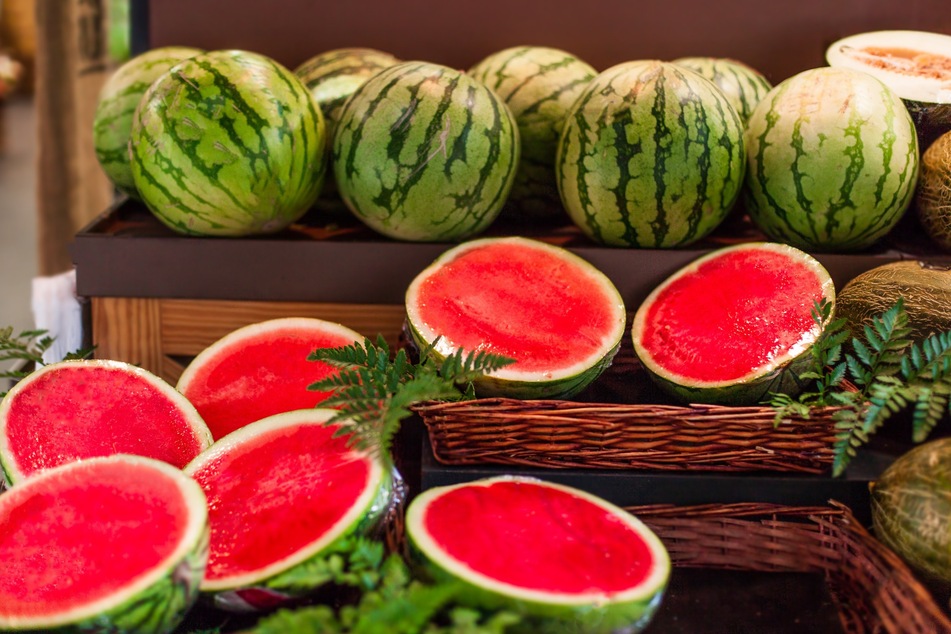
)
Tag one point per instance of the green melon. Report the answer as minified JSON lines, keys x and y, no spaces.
{"x":113,"y":544}
{"x":118,"y":98}
{"x":933,"y":196}
{"x":651,"y":155}
{"x":743,"y":86}
{"x":228,"y":143}
{"x":911,"y":503}
{"x":423,"y":152}
{"x":281,"y":491}
{"x":833,"y":161}
{"x":733,"y":325}
{"x":538,"y":84}
{"x":560,"y":318}
{"x":565,"y":559}
{"x":75,"y":410}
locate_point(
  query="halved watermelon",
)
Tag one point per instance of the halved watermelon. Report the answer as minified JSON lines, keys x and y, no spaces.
{"x":560,"y":318}
{"x":113,"y":544}
{"x":568,"y":558}
{"x":281,"y":491}
{"x":733,"y":325}
{"x":81,"y":409}
{"x":261,"y":370}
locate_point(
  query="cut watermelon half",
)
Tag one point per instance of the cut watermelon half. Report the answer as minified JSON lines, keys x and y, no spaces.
{"x":560,"y":318}
{"x":566,"y":557}
{"x":81,"y":409}
{"x":281,"y":491}
{"x":261,"y":370}
{"x":733,"y":325}
{"x":113,"y":544}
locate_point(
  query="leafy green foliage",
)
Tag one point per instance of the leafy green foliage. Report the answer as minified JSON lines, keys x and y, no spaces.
{"x":28,"y":347}
{"x":890,"y":373}
{"x":391,"y":600}
{"x":374,"y":389}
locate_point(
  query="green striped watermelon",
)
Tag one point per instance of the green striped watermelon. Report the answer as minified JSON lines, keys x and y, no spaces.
{"x":118,"y":99}
{"x":228,"y":143}
{"x":651,"y":155}
{"x":743,"y":86}
{"x":539,"y":85}
{"x":567,"y":561}
{"x":733,"y":325}
{"x":833,"y":160}
{"x":110,"y":544}
{"x":332,"y":77}
{"x":423,"y":152}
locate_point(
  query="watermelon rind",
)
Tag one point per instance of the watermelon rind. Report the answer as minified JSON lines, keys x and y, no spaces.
{"x":584,"y":613}
{"x":744,"y":86}
{"x":652,"y":155}
{"x":780,"y":375}
{"x":363,"y":516}
{"x":538,"y":84}
{"x":228,"y":143}
{"x":833,"y":161}
{"x":911,"y":503}
{"x":118,"y":99}
{"x":510,"y":381}
{"x":13,"y":470}
{"x":425,"y":153}
{"x":157,"y":601}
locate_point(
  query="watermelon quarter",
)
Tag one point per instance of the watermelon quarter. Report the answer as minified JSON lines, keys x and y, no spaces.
{"x":733,"y":325}
{"x":423,"y":152}
{"x":560,"y":318}
{"x":73,"y":410}
{"x":114,"y":544}
{"x":280,"y":492}
{"x":567,"y":560}
{"x":833,"y":161}
{"x":651,"y":155}
{"x":228,"y":143}
{"x":260,"y":370}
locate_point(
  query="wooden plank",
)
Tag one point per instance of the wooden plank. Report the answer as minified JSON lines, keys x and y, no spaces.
{"x":127,"y":329}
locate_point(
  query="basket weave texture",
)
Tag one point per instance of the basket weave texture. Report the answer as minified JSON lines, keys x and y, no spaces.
{"x":567,"y":434}
{"x":873,"y":589}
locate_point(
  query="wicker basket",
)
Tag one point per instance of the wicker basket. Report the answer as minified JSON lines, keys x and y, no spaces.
{"x":873,"y":590}
{"x":566,"y":434}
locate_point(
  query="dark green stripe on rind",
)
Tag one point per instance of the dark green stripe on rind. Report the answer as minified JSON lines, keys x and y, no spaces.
{"x":423,"y":152}
{"x":539,"y":85}
{"x":229,"y":143}
{"x":652,"y":155}
{"x":833,"y":161}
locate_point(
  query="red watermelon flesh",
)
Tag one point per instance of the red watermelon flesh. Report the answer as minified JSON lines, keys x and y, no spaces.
{"x":261,"y":370}
{"x":279,"y":490}
{"x":517,"y":298}
{"x":83,"y":409}
{"x":733,"y":315}
{"x":497,"y":531}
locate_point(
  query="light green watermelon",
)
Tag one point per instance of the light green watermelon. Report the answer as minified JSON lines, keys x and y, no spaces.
{"x":567,"y":561}
{"x":538,"y":84}
{"x":833,"y":161}
{"x":423,"y":152}
{"x":228,"y":143}
{"x":651,"y":155}
{"x":743,"y":86}
{"x":108,"y":544}
{"x":118,"y":99}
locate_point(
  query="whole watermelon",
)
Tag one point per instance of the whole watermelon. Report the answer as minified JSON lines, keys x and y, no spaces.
{"x":423,"y":152}
{"x":651,"y":155}
{"x":743,"y":86}
{"x":228,"y":143}
{"x":118,"y":98}
{"x":833,"y":160}
{"x":539,"y":85}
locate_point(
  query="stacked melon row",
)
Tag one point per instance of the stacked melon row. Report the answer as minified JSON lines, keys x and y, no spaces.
{"x":642,"y":154}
